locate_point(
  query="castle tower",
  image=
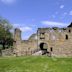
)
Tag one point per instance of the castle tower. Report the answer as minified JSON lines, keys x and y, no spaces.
{"x":17,"y":35}
{"x":17,"y":43}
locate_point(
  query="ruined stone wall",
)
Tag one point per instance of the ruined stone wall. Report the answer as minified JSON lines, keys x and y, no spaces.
{"x":28,"y":47}
{"x":24,"y":47}
{"x":7,"y":52}
{"x":56,"y":39}
{"x":63,"y":46}
{"x":17,"y":42}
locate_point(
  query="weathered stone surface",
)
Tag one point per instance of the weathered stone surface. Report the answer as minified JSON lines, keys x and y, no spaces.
{"x":7,"y":52}
{"x":58,"y":41}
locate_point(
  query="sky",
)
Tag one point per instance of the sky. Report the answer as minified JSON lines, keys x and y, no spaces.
{"x":28,"y":15}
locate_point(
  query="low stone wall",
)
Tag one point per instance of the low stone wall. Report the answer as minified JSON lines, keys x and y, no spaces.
{"x":26,"y":52}
{"x":7,"y":52}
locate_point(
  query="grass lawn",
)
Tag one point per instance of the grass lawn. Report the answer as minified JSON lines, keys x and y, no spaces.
{"x":35,"y":64}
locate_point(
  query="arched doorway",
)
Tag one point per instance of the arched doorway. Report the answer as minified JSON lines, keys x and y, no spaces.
{"x":44,"y":47}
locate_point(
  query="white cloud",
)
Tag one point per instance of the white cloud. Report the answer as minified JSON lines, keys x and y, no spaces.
{"x":24,"y":29}
{"x":8,"y":1}
{"x":15,"y":25}
{"x":53,"y":24}
{"x":70,"y":12}
{"x":62,"y":6}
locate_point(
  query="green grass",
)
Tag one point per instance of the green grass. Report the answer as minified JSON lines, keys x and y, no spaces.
{"x":35,"y":64}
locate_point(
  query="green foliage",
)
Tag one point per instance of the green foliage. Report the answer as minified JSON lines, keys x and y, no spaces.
{"x":35,"y":64}
{"x":5,"y":34}
{"x":5,"y":24}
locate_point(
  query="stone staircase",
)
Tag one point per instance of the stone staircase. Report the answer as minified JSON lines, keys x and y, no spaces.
{"x":41,"y":52}
{"x":37,"y":53}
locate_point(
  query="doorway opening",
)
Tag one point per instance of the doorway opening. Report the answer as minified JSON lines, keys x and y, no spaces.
{"x":44,"y":47}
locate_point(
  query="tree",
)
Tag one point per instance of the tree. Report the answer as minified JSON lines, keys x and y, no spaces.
{"x":6,"y":39}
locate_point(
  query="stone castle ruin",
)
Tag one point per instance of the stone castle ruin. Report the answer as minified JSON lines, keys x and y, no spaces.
{"x":47,"y":41}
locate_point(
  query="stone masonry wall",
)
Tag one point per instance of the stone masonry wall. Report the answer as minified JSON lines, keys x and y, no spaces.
{"x":7,"y":52}
{"x":56,"y":39}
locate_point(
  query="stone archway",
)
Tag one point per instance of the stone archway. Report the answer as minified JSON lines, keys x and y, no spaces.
{"x":43,"y":47}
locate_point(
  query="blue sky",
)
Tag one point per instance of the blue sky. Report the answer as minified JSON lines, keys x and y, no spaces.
{"x":28,"y":15}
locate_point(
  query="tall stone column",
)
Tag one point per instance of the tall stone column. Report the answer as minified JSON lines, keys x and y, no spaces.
{"x":17,"y":43}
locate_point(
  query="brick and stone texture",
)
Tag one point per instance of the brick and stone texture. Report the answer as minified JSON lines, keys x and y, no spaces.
{"x":7,"y":52}
{"x":57,"y":42}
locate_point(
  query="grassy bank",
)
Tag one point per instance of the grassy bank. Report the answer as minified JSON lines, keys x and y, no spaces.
{"x":35,"y":64}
